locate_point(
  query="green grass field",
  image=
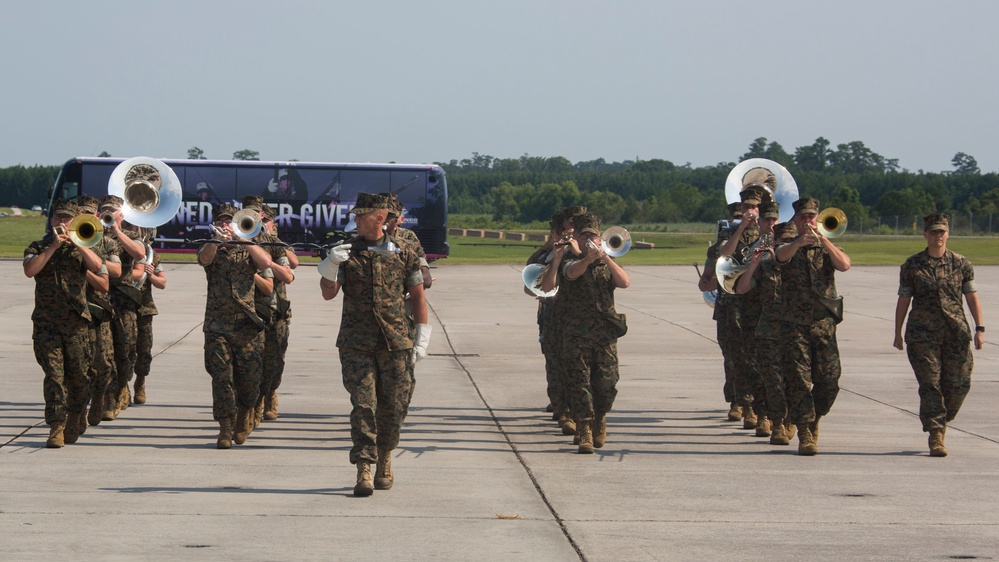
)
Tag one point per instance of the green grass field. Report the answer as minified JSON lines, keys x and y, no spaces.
{"x":670,"y":248}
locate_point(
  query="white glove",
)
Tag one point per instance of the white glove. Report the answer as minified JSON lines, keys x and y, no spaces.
{"x":420,"y":343}
{"x":272,"y":186}
{"x":339,"y":254}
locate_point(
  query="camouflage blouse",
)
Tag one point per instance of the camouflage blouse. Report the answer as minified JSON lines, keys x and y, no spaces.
{"x":374,"y":305}
{"x":808,"y":276}
{"x":61,"y":285}
{"x":588,"y":299}
{"x":230,"y":290}
{"x":936,"y":286}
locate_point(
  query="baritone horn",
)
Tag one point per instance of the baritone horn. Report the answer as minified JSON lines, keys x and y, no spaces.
{"x":151,"y":191}
{"x":247,"y":223}
{"x":85,"y":230}
{"x":533,"y":275}
{"x":831,"y":222}
{"x":616,"y":241}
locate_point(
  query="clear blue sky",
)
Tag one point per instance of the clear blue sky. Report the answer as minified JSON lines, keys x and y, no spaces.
{"x":412,"y":81}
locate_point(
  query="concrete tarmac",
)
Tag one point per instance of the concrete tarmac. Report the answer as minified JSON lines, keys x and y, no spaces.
{"x":482,"y":473}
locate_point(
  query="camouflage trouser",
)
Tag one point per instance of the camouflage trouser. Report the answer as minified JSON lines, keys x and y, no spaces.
{"x":144,"y":345}
{"x":556,"y":384}
{"x":592,"y":376}
{"x":943,"y":370}
{"x":380,"y":388}
{"x":736,"y":387}
{"x":275,"y":345}
{"x":812,"y":369}
{"x":102,"y":368}
{"x":771,"y":371}
{"x":125,"y":332}
{"x":747,"y":384}
{"x":235,"y":362}
{"x":64,"y":351}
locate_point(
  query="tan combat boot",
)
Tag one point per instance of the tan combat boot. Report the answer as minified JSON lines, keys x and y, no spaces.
{"x":734,"y":412}
{"x":814,"y":427}
{"x":748,"y":417}
{"x":789,"y":427}
{"x":125,"y":397}
{"x":226,"y":426}
{"x":937,"y":448}
{"x":258,"y":412}
{"x":584,"y":431}
{"x":244,"y":425}
{"x":762,"y":426}
{"x":71,"y":431}
{"x":271,"y":406}
{"x":96,"y":413}
{"x":565,"y":422}
{"x":81,"y":421}
{"x":778,"y":436}
{"x":806,"y":443}
{"x":111,"y":409}
{"x":140,"y":389}
{"x":383,"y":471}
{"x":364,"y":486}
{"x":600,"y":430}
{"x":56,"y":438}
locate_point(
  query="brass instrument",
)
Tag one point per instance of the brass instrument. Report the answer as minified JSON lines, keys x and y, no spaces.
{"x":247,"y":223}
{"x":151,"y":191}
{"x":85,"y":230}
{"x":107,"y":219}
{"x":709,"y":296}
{"x":831,"y":222}
{"x":533,"y":275}
{"x":616,"y":241}
{"x":785,"y":193}
{"x":728,"y":270}
{"x":140,"y":268}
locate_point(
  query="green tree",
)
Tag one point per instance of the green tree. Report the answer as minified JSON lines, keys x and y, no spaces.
{"x":104,"y":154}
{"x":246,"y":154}
{"x":965,"y":164}
{"x":195,"y":153}
{"x":813,"y":158}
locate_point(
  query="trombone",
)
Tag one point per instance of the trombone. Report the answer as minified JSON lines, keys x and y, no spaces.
{"x":85,"y":230}
{"x":831,"y":222}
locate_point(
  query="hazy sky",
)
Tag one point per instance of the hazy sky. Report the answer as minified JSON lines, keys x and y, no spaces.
{"x":413,"y":81}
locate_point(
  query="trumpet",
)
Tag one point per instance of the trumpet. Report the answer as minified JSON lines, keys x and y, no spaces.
{"x":616,"y":241}
{"x":107,"y":220}
{"x":85,"y":230}
{"x":831,"y":222}
{"x":728,"y":270}
{"x":247,"y":223}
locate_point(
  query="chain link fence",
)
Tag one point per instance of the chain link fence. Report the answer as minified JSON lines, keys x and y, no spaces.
{"x":982,"y":224}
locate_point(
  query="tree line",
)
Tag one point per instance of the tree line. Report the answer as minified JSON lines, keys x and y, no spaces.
{"x":851,"y":176}
{"x":869,"y":187}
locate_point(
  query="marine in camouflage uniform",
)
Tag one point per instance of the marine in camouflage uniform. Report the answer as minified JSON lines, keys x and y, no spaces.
{"x":61,"y":324}
{"x":747,"y":386}
{"x":590,"y":330}
{"x":554,"y":340}
{"x":102,"y":368}
{"x":126,"y":299}
{"x":548,"y":328}
{"x":274,"y":309}
{"x":937,"y":337}
{"x":376,"y":339}
{"x":810,"y":309}
{"x":725,"y":313}
{"x":234,"y":334}
{"x":763,"y":276}
{"x":144,"y":321}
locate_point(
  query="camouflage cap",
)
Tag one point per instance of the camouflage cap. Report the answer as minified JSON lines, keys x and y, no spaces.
{"x":65,"y":208}
{"x":395,"y":206}
{"x":785,"y":232}
{"x":220,"y":210}
{"x":770,"y":210}
{"x":936,"y":221}
{"x":806,"y":205}
{"x":557,"y":220}
{"x":87,"y":204}
{"x":752,"y":195}
{"x":586,"y":224}
{"x":569,"y":212}
{"x":269,"y":212}
{"x":368,"y":202}
{"x":734,"y":208}
{"x":254,"y":202}
{"x":112,"y":201}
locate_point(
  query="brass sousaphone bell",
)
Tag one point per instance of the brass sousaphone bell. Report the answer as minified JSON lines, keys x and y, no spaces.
{"x":151,"y":191}
{"x":785,"y":193}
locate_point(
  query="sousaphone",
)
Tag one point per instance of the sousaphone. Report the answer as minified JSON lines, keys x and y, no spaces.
{"x":785,"y":193}
{"x":151,"y":191}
